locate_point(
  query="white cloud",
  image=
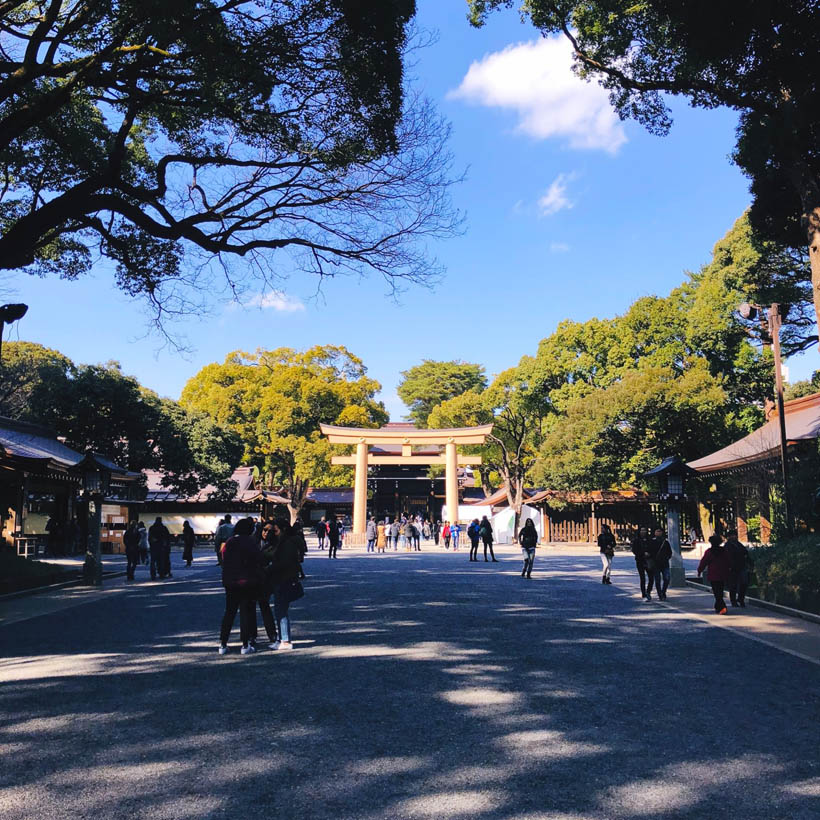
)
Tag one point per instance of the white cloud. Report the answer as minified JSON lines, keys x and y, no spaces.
{"x":275,"y":300}
{"x":535,"y":79}
{"x":555,"y":199}
{"x":559,"y":247}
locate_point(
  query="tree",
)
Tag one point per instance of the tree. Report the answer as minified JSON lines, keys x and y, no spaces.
{"x":516,"y":415}
{"x":33,"y":381}
{"x":760,"y":63}
{"x":608,"y":438}
{"x":275,"y":401}
{"x":99,"y":408}
{"x":427,"y":384}
{"x":224,"y":129}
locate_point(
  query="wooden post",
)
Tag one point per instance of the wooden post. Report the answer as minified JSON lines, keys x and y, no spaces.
{"x":360,"y":490}
{"x":451,"y":480}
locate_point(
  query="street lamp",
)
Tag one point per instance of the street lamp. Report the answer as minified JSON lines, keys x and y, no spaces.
{"x":8,"y":314}
{"x":775,"y":320}
{"x":96,"y":484}
{"x":671,"y":474}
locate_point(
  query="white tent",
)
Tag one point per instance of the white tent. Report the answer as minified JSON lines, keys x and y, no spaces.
{"x":504,"y":522}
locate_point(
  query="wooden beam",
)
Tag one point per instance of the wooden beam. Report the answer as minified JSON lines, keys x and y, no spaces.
{"x":354,"y":435}
{"x":375,"y":461}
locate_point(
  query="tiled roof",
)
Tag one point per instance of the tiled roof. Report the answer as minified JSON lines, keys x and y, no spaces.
{"x":31,"y":441}
{"x":802,"y":423}
{"x":243,"y":476}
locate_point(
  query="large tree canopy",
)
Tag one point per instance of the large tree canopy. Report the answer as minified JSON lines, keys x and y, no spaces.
{"x":758,"y":57}
{"x":98,"y":407}
{"x":146,"y":130}
{"x":427,"y":384}
{"x":276,"y":399}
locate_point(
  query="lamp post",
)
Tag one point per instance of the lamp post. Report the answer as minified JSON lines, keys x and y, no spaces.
{"x":775,"y":320}
{"x":671,"y":474}
{"x":8,"y":314}
{"x":96,"y":483}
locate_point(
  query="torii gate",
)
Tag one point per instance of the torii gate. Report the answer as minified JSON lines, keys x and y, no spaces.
{"x":363,"y":437}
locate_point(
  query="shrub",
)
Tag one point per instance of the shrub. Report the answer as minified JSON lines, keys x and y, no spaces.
{"x":788,"y":572}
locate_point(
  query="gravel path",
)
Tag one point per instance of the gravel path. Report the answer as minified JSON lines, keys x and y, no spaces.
{"x":423,"y":686}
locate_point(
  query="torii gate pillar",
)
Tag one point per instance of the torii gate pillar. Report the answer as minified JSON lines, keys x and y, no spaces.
{"x":360,"y":489}
{"x":451,"y":479}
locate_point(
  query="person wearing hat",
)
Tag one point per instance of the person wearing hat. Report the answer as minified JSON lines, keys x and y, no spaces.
{"x":717,"y":563}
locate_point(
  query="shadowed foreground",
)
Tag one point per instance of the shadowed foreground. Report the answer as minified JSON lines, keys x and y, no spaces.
{"x":423,"y":686}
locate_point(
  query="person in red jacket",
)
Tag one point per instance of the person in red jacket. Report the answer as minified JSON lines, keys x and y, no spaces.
{"x":716,"y":561}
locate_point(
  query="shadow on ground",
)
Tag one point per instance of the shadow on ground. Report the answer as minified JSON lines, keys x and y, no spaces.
{"x":423,"y":686}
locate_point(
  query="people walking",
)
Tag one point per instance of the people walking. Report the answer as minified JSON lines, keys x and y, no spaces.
{"x":242,"y":578}
{"x":159,"y":546}
{"x":321,"y":532}
{"x":333,"y":538}
{"x":739,"y":565}
{"x":445,"y":534}
{"x":223,"y":532}
{"x":661,"y":554}
{"x":283,"y":575}
{"x":188,"y":541}
{"x":639,"y":546}
{"x":606,"y":546}
{"x":716,"y":562}
{"x":131,"y":541}
{"x":485,"y":530}
{"x":528,"y":540}
{"x":372,"y":533}
{"x":474,"y":535}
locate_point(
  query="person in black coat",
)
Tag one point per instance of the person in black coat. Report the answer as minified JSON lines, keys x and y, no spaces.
{"x":485,"y":530}
{"x":283,"y":574}
{"x":159,"y":545}
{"x":474,"y":535}
{"x":188,"y":540}
{"x":131,"y":541}
{"x":739,"y":562}
{"x":333,"y":538}
{"x":660,"y":551}
{"x":242,"y":577}
{"x":640,"y":542}
{"x":606,"y":546}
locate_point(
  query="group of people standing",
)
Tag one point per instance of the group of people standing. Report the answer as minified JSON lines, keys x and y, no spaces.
{"x":260,"y":560}
{"x":152,"y":547}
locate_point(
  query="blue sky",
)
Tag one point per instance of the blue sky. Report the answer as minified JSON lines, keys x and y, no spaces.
{"x":569,"y":214}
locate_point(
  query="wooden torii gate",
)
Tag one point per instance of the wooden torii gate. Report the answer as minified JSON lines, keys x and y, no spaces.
{"x":364,"y":437}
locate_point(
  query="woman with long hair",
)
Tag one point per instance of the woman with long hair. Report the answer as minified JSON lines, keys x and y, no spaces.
{"x":188,"y":540}
{"x":283,"y":574}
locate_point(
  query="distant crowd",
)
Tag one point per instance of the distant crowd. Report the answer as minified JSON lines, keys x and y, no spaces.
{"x":261,"y":562}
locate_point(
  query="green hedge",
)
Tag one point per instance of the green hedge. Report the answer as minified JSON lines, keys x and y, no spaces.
{"x":788,"y":573}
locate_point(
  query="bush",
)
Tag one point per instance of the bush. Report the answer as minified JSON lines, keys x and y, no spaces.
{"x":788,"y":572}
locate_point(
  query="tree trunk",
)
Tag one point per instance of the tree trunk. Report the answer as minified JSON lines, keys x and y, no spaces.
{"x":484,"y":475}
{"x":297,"y":495}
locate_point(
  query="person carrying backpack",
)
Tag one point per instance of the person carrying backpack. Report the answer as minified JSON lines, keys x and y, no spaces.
{"x":528,"y":539}
{"x":474,"y":535}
